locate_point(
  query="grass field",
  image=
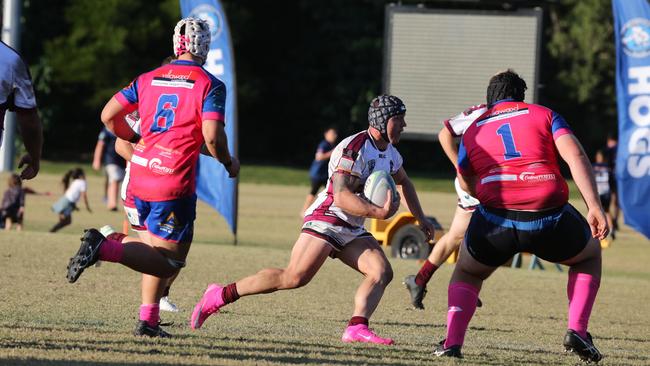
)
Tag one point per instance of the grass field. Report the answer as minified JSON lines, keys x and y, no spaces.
{"x":46,"y":321}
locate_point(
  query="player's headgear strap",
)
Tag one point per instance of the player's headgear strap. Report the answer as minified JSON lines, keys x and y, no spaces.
{"x":382,"y":109}
{"x":192,"y":35}
{"x":504,"y":85}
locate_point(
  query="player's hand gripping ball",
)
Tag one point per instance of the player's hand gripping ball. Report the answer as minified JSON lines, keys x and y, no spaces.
{"x":376,"y":188}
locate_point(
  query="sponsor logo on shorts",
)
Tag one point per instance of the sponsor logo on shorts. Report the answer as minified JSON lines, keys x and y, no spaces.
{"x":169,"y":225}
{"x":532,"y":177}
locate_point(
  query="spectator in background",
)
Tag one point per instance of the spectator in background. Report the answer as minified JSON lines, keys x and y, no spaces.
{"x":318,"y":171}
{"x":13,"y":204}
{"x":603,"y":174}
{"x":114,"y":166}
{"x":74,"y":191}
{"x":610,"y":157}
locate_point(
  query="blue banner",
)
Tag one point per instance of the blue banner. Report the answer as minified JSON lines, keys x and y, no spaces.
{"x":632,"y":34}
{"x":213,"y":185}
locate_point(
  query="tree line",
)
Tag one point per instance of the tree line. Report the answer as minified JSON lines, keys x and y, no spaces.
{"x":302,"y":65}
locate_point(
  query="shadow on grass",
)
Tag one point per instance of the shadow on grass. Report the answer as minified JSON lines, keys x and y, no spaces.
{"x":254,"y":350}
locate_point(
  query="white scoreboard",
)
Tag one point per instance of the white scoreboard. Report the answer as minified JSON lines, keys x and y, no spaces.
{"x":440,"y":61}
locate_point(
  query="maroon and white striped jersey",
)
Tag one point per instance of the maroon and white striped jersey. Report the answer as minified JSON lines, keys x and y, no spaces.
{"x":356,"y":155}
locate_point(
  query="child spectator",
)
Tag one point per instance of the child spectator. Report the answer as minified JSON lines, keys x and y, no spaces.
{"x":68,"y":202}
{"x":13,"y":204}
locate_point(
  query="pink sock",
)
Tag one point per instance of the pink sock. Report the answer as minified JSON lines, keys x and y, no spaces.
{"x":462,"y":304}
{"x":111,"y":251}
{"x":581,"y":291}
{"x":150,"y":314}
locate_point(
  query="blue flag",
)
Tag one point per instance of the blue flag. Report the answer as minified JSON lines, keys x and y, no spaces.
{"x":632,"y":34}
{"x":212,"y":184}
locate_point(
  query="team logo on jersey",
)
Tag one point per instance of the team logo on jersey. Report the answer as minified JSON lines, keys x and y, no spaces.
{"x":212,"y":16}
{"x":635,"y":37}
{"x":155,"y":165}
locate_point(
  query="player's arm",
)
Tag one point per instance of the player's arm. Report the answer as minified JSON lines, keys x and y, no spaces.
{"x":124,"y":149}
{"x":412,"y":201}
{"x":344,"y":185}
{"x":448,"y":144}
{"x":216,"y":141}
{"x":113,"y":118}
{"x":574,"y":155}
{"x":32,"y":133}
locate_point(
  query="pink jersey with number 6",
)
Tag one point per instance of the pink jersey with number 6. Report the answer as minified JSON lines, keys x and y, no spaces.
{"x":173,"y":101}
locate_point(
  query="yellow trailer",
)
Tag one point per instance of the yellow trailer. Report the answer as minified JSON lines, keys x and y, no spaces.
{"x":403,"y":235}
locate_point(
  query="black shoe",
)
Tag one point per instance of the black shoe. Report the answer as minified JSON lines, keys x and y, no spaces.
{"x":144,"y":329}
{"x":584,"y":348}
{"x":441,"y":351}
{"x":417,"y":292}
{"x":87,"y":255}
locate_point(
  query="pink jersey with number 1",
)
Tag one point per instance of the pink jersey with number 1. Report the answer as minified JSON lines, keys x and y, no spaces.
{"x":173,"y":101}
{"x":511,"y":151}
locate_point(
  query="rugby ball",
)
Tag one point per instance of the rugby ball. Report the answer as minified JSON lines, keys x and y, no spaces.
{"x":376,"y":186}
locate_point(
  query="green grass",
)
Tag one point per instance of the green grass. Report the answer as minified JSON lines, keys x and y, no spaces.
{"x":46,"y":321}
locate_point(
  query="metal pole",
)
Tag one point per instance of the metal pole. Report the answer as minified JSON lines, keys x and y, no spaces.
{"x":10,"y":36}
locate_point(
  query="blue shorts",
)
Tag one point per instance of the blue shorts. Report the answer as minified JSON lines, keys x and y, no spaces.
{"x":169,"y":220}
{"x":495,"y":235}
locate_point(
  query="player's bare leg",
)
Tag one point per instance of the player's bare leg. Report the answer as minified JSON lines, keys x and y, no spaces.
{"x":159,"y":259}
{"x":448,"y":243}
{"x":307,"y":256}
{"x":366,"y":256}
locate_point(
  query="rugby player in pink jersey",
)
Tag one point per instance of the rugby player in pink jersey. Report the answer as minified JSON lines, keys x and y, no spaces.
{"x":181,"y":107}
{"x":333,"y":225}
{"x":508,"y":159}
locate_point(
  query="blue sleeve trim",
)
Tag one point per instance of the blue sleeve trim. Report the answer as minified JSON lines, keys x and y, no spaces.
{"x":215,"y":101}
{"x":131,"y":92}
{"x":558,"y":122}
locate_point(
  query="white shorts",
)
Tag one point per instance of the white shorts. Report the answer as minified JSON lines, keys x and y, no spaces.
{"x":334,"y":235}
{"x":465,"y":201}
{"x":114,"y":172}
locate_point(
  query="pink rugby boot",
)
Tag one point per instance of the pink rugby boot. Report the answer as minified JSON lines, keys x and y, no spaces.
{"x":209,"y":304}
{"x":361,"y":333}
